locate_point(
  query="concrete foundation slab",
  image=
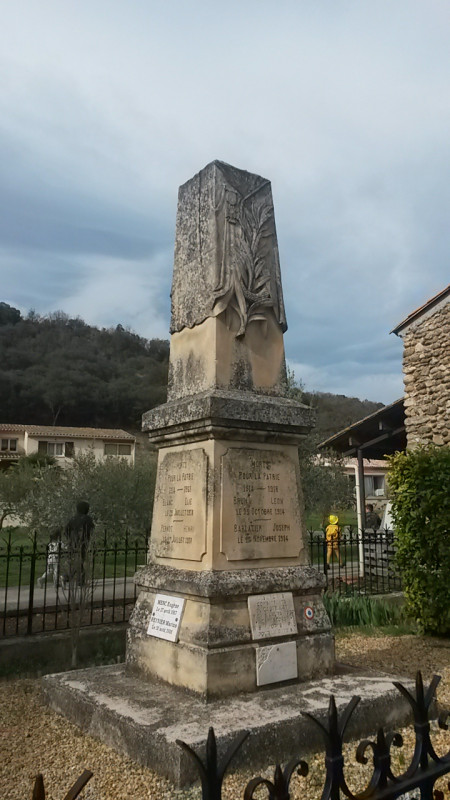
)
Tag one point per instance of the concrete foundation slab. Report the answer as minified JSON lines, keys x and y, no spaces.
{"x":143,"y":719}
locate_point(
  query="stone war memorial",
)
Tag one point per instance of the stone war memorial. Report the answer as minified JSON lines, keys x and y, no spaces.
{"x":228,"y":552}
{"x":229,"y":628}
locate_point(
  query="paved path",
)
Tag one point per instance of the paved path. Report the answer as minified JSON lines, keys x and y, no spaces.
{"x":47,"y":597}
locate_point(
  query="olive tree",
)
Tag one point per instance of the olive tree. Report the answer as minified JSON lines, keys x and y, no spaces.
{"x":120,"y":495}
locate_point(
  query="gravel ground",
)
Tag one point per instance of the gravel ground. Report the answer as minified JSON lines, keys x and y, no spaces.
{"x":35,"y":739}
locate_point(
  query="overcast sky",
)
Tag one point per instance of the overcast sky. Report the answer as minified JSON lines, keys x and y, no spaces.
{"x":107,"y":106}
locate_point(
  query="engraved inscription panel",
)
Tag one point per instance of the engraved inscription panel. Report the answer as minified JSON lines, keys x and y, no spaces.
{"x":260,"y":507}
{"x":272,"y":615}
{"x":179,"y":514}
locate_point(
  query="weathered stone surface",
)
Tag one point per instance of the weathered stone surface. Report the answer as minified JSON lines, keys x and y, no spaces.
{"x":179,"y":511}
{"x":260,"y":512}
{"x":226,"y":254}
{"x":212,"y":356}
{"x":426,"y":367}
{"x":228,"y":313}
{"x":231,"y":583}
{"x":178,"y":528}
{"x":222,"y":409}
{"x":228,"y":488}
{"x":216,"y":651}
{"x":143,"y":719}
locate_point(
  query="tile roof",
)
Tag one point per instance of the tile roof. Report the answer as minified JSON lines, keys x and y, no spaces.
{"x":73,"y":433}
{"x":375,"y":439}
{"x":368,"y":462}
{"x":418,"y":311}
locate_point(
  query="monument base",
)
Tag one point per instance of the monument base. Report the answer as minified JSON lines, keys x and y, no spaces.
{"x":142,"y":720}
{"x":222,"y":648}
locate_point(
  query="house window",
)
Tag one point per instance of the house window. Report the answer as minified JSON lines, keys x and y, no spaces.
{"x":374,"y":485}
{"x":56,"y":448}
{"x":69,"y":449}
{"x":117,"y":449}
{"x":9,"y":445}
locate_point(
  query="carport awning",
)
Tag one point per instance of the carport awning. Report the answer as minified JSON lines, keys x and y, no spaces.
{"x":381,"y":433}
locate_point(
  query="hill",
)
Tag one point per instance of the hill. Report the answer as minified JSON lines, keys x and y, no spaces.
{"x":59,"y":370}
{"x":336,"y":411}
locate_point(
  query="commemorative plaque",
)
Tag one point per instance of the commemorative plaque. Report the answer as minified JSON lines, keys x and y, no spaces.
{"x":260,"y":507}
{"x":277,"y":662}
{"x":166,"y":617}
{"x":272,"y":615}
{"x":179,"y":515}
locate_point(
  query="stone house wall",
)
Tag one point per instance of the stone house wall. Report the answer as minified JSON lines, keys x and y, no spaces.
{"x":426,"y":370}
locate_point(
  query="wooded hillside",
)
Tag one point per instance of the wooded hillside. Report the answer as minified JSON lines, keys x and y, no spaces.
{"x":58,"y":370}
{"x":336,"y":411}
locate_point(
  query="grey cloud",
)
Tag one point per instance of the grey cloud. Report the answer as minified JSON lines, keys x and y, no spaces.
{"x":41,"y":216}
{"x":103,"y":119}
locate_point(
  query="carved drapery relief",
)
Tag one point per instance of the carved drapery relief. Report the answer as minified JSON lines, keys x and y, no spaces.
{"x":248,"y":280}
{"x":226,"y":254}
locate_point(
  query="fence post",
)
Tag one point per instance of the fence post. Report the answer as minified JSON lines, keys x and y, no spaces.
{"x":31,"y":592}
{"x":8,"y":559}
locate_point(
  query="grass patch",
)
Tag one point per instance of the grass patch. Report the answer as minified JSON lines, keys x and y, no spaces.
{"x":20,"y":568}
{"x":365,"y":611}
{"x":315,"y":521}
{"x":15,"y":563}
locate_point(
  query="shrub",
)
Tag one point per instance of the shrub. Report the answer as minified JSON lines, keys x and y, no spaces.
{"x":420,"y":485}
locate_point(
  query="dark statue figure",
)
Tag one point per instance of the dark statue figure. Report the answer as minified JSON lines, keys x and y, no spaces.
{"x":78,"y":534}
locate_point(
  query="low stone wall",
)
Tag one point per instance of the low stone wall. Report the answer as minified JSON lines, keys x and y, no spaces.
{"x":30,"y":656}
{"x":426,"y":368}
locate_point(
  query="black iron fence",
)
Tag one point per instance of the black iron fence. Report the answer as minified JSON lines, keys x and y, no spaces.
{"x":40,"y":583}
{"x":37,"y":586}
{"x":387,"y":780}
{"x":356,"y":563}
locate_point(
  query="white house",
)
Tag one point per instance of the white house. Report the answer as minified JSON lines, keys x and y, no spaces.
{"x":63,"y":443}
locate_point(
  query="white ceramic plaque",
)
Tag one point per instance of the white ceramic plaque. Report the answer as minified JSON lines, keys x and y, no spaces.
{"x":275,"y":663}
{"x":272,"y":615}
{"x":166,"y":617}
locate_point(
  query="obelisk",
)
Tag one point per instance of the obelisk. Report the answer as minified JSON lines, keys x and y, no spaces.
{"x":228,"y":601}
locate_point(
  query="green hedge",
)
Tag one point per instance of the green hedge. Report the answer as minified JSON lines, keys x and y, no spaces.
{"x":419,"y":481}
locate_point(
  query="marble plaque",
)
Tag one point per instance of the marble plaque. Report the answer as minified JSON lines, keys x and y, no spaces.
{"x":260,"y":511}
{"x":272,"y":615}
{"x":166,"y":617}
{"x":275,"y":663}
{"x":179,"y":513}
